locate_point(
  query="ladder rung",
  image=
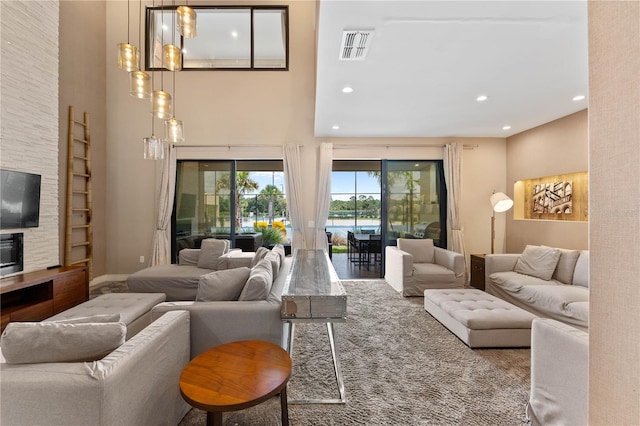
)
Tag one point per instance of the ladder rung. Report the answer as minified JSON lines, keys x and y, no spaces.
{"x":80,"y":192}
{"x":80,"y":210}
{"x":80,"y":123}
{"x":86,"y":243}
{"x":79,"y":226}
{"x":80,"y":140}
{"x":80,"y":261}
{"x":80,"y":157}
{"x":81,"y":175}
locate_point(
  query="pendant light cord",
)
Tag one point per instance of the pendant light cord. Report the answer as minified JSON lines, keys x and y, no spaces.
{"x":128,"y":22}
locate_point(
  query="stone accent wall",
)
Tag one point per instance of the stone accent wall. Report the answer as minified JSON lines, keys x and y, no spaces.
{"x":29,"y":114}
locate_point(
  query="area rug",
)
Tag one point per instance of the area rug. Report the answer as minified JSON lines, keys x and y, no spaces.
{"x":401,"y":367}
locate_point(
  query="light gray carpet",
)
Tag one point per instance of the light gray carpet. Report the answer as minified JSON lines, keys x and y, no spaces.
{"x":401,"y":367}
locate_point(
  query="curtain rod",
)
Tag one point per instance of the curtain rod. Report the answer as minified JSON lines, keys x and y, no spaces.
{"x":388,"y":145}
{"x":228,"y":146}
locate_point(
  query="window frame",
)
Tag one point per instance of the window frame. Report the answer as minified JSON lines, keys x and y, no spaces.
{"x":148,"y":60}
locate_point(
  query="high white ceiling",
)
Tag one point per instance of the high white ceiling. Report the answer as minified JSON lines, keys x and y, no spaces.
{"x":430,"y":60}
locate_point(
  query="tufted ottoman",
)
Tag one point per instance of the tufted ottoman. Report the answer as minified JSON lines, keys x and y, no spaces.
{"x":134,"y":309}
{"x":479,"y":319}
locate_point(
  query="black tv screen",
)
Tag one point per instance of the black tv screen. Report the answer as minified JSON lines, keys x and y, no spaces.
{"x":19,"y":200}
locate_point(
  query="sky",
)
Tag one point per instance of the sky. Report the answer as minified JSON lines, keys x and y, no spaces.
{"x":342,"y":183}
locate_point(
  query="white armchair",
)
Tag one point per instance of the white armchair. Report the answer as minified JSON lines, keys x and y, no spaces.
{"x":415,"y":265}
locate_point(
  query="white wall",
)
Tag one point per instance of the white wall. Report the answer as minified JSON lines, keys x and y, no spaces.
{"x":29,"y":114}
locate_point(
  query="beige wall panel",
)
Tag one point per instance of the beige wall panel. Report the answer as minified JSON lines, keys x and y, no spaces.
{"x":555,"y":148}
{"x":614,"y":149}
{"x":221,"y":107}
{"x":82,"y":41}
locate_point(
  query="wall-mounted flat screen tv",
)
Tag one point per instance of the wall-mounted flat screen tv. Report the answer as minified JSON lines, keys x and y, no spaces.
{"x":19,"y":200}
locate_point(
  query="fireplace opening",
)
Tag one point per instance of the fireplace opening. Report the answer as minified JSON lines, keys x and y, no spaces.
{"x":11,"y":253}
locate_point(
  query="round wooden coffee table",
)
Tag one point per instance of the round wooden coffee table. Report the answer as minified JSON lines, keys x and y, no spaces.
{"x":235,"y":376}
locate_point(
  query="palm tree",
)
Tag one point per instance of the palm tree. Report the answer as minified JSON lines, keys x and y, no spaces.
{"x":244,"y":184}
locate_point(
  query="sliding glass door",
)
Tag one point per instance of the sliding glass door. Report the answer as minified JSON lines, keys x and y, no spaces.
{"x":414,"y":201}
{"x":242,"y":201}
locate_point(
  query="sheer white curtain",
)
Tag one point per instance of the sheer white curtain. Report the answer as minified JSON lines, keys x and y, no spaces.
{"x":453,"y":178}
{"x":294,"y":190}
{"x":161,"y":245}
{"x":325,"y":165}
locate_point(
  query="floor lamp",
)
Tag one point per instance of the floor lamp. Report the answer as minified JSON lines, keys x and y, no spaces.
{"x":500,"y":203}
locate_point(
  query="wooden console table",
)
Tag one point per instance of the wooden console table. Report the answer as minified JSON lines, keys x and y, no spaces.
{"x":477,"y":271}
{"x":35,"y":296}
{"x":313,"y":293}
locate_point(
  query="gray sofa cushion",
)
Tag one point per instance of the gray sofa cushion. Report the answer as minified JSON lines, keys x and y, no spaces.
{"x":421,"y":250}
{"x":581,"y":273}
{"x":432,"y":272}
{"x":557,"y":301}
{"x":538,"y":262}
{"x":261,"y":253}
{"x":210,"y":251}
{"x":48,"y":341}
{"x":222,"y":285}
{"x":566,"y":265}
{"x":513,"y":281}
{"x":259,"y":283}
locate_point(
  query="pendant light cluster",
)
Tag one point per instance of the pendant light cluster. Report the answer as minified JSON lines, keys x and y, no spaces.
{"x":142,"y":85}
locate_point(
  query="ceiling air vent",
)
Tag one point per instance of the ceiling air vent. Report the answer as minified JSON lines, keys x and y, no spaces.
{"x":355,"y":44}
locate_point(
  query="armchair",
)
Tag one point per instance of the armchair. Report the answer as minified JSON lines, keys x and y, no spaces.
{"x":416,"y":265}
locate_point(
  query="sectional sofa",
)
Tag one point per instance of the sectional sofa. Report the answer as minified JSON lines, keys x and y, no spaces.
{"x":135,"y":384}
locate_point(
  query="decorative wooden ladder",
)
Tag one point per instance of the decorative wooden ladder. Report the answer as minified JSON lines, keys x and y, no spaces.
{"x":79,"y":233}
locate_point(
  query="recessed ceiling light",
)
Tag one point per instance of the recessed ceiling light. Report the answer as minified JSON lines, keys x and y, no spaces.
{"x":234,"y":34}
{"x":335,"y":127}
{"x":184,"y":50}
{"x":578,"y":97}
{"x":506,"y":127}
{"x":165,"y":27}
{"x":482,"y":98}
{"x":347,"y":89}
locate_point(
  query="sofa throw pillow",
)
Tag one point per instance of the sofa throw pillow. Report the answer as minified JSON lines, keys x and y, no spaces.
{"x":261,"y":253}
{"x":210,"y":251}
{"x":222,"y":285}
{"x":275,"y":263}
{"x":49,"y":341}
{"x":539,"y":262}
{"x":90,"y":318}
{"x":189,"y":257}
{"x":421,"y":250}
{"x":279,"y":248}
{"x":566,"y":265}
{"x":259,"y":283}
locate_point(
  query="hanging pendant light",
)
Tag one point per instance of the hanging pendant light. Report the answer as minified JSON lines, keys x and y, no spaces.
{"x":161,"y":100}
{"x":128,"y":55}
{"x":153,"y":148}
{"x":139,"y":81}
{"x":174,"y":130}
{"x":172,"y":57}
{"x":161,"y":104}
{"x":186,"y":21}
{"x":140,"y":84}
